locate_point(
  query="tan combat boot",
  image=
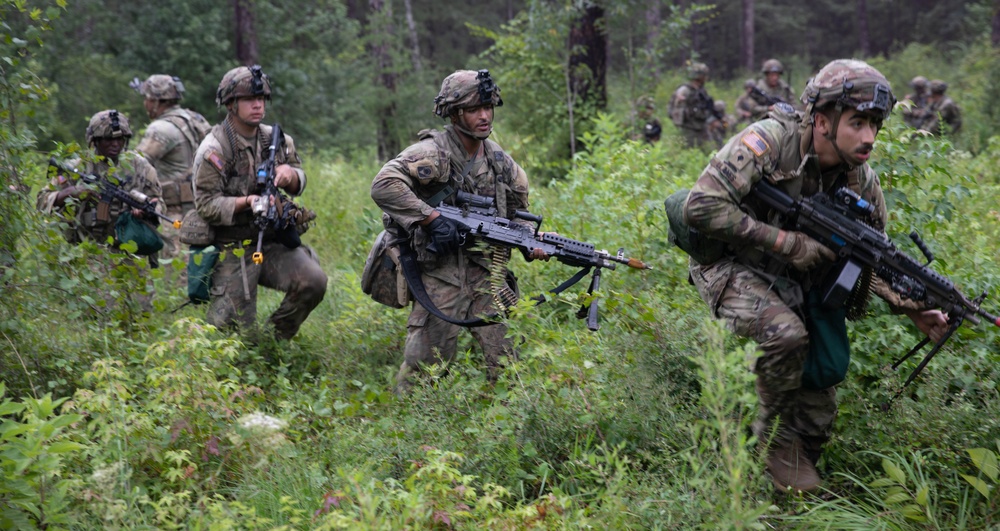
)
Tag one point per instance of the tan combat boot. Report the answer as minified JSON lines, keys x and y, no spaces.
{"x":791,"y":468}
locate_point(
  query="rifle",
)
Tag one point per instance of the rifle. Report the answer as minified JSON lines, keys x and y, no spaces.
{"x":477,"y":216}
{"x":708,"y":104}
{"x":271,"y":209}
{"x":764,"y":98}
{"x":837,"y":223}
{"x":110,"y":192}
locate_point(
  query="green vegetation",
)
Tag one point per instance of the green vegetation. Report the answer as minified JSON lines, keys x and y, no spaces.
{"x":115,"y":418}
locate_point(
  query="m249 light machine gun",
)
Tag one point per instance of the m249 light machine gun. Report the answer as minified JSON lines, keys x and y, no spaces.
{"x":835,"y":222}
{"x":477,"y":216}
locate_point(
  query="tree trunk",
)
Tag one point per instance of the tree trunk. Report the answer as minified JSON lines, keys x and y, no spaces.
{"x":588,"y":60}
{"x":381,"y":35}
{"x":864,"y":35}
{"x":747,"y":36}
{"x":246,"y":35}
{"x":654,"y":18}
{"x":414,"y":41}
{"x":995,"y":33}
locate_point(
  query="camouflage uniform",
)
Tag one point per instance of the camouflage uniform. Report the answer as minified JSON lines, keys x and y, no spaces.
{"x":914,"y":113}
{"x":463,"y":284}
{"x":650,"y":127}
{"x":691,"y":109}
{"x":224,"y":173}
{"x":782,"y":91}
{"x":941,"y":108}
{"x":169,"y":144}
{"x":756,"y":295}
{"x":132,"y":172}
{"x":745,"y":104}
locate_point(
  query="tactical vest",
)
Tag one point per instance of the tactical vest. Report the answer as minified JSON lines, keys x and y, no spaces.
{"x":496,"y":159}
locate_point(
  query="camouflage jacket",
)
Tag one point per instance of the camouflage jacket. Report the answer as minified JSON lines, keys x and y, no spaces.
{"x":133,"y":172}
{"x":691,"y":108}
{"x":783,"y":91}
{"x":169,"y":145}
{"x":944,"y":110}
{"x":777,"y":148}
{"x":405,"y":184}
{"x":225,"y":173}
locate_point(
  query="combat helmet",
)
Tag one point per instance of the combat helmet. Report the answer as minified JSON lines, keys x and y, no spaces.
{"x":696,"y":70}
{"x":772,"y":65}
{"x":918,"y":83}
{"x":159,"y":87}
{"x":241,"y":82}
{"x":108,"y":124}
{"x":466,"y":89}
{"x":938,"y":87}
{"x":849,"y":83}
{"x":749,"y":83}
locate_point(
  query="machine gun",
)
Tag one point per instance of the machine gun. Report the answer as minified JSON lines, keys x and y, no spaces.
{"x":271,"y":210}
{"x":764,"y":98}
{"x":836,"y":222}
{"x":110,"y":192}
{"x":477,"y":216}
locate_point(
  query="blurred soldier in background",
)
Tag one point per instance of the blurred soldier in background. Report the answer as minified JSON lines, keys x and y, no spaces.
{"x":745,"y":104}
{"x":914,"y":113}
{"x":772,"y":86}
{"x":941,"y":108}
{"x":170,"y":142}
{"x":650,"y":127}
{"x":692,"y":110}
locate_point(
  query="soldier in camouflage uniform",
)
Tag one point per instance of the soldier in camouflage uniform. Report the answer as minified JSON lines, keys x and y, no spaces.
{"x":760,"y":284}
{"x":645,"y":111}
{"x":108,"y":133}
{"x":225,"y":189}
{"x":745,"y":103}
{"x":914,"y":112}
{"x":941,"y":108}
{"x":772,"y":85}
{"x":463,"y":283}
{"x":691,"y":109}
{"x":170,"y":142}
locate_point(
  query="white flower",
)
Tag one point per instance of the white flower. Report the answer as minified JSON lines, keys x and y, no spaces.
{"x":260,"y":421}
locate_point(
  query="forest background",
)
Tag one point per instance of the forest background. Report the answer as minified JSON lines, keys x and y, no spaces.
{"x":112,"y":418}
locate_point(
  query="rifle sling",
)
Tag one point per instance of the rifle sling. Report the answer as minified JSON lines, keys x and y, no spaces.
{"x":411,"y":272}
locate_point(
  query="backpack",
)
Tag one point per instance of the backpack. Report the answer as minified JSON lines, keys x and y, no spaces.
{"x":700,"y":247}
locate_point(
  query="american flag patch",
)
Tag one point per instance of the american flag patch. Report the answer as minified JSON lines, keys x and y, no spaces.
{"x":215,"y":159}
{"x":756,"y":144}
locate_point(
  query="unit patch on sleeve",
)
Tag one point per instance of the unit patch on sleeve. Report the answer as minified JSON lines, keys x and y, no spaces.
{"x":756,"y":144}
{"x":215,"y":159}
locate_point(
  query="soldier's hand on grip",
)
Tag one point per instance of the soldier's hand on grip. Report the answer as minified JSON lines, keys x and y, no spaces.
{"x":802,"y":251}
{"x":444,"y":235}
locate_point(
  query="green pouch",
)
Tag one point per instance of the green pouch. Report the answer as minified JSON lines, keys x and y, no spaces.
{"x":201,"y":264}
{"x":829,"y":349}
{"x":130,"y":229}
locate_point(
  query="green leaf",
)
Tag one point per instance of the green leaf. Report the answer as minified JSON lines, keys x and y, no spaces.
{"x":922,"y":496}
{"x":894,"y":471}
{"x":62,"y":447}
{"x":986,"y":461}
{"x":899,"y":497}
{"x":913,"y":512}
{"x":978,"y":484}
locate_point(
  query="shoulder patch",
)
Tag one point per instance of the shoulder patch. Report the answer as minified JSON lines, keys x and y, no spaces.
{"x":755,"y":142}
{"x":215,"y":159}
{"x":424,"y":172}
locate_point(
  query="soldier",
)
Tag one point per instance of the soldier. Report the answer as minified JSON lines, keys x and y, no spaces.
{"x":462,"y":283}
{"x":95,"y":217}
{"x":914,"y":113}
{"x":226,"y":197}
{"x":170,"y":142}
{"x":692,"y":109}
{"x":645,"y":109}
{"x":941,"y":108}
{"x":745,"y":103}
{"x":762,"y":287}
{"x":719,"y":135}
{"x":773,"y":86}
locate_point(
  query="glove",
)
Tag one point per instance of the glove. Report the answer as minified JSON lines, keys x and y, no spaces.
{"x":803,"y":252}
{"x":444,"y":236}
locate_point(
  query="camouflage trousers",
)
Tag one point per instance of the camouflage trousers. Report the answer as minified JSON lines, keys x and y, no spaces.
{"x":698,"y":138}
{"x":461,"y":291}
{"x":296,"y":272}
{"x":751,"y":307}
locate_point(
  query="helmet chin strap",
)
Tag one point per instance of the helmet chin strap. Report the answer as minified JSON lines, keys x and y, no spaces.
{"x":831,"y":136}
